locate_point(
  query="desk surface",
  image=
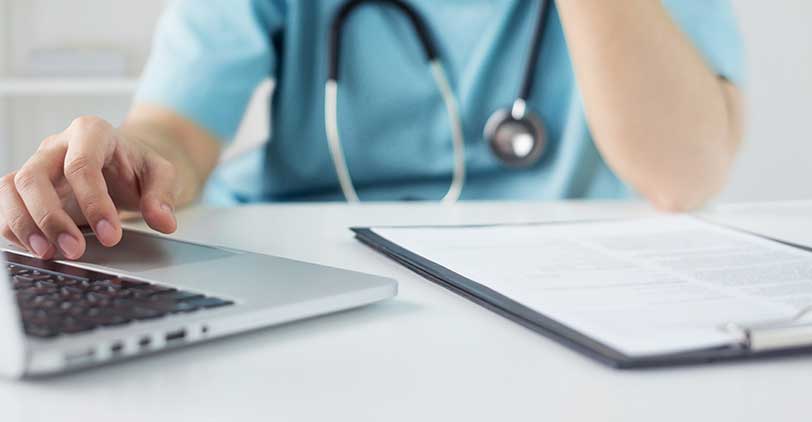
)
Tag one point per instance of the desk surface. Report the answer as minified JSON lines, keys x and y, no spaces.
{"x":428,"y":354}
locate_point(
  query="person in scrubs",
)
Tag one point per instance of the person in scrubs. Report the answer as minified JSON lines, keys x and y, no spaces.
{"x":638,"y":97}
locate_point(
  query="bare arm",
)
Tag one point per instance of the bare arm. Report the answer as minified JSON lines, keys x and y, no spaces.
{"x":662,"y":119}
{"x":91,"y":172}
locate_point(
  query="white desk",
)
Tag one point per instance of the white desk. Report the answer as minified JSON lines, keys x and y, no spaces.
{"x":426,"y":355}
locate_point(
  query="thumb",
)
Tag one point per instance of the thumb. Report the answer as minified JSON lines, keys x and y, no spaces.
{"x":158,"y":187}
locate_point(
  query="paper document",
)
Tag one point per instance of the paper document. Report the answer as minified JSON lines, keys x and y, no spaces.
{"x":647,"y":286}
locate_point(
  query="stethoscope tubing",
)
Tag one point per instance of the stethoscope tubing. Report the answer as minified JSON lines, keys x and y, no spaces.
{"x":458,"y":139}
{"x":518,"y":110}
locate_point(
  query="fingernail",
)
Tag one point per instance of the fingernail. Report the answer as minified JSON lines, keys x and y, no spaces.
{"x":69,"y":246}
{"x":39,"y":244}
{"x":105,"y":231}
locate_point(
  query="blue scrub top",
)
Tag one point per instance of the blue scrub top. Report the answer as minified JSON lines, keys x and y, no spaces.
{"x":210,"y":55}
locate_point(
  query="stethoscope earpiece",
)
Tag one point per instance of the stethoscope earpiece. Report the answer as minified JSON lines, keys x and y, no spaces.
{"x":516,"y":136}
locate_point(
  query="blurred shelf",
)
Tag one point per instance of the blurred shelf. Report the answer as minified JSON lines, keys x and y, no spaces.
{"x":34,"y":86}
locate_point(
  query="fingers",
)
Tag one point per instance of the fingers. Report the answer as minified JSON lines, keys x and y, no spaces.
{"x":34,"y":186}
{"x":5,"y":232}
{"x":158,"y":194}
{"x":88,"y":146}
{"x":17,"y":224}
{"x":6,"y":184}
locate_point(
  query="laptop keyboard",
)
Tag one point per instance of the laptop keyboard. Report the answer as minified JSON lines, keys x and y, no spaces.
{"x":56,"y":299}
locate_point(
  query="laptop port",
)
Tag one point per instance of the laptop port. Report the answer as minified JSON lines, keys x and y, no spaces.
{"x":176,"y":336}
{"x":117,"y":348}
{"x":144,"y":342}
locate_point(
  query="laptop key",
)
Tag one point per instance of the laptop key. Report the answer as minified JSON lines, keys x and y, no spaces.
{"x":209,"y":302}
{"x":132,"y":284}
{"x":68,"y":293}
{"x":141,"y":312}
{"x":34,"y":277}
{"x":42,"y":331}
{"x":45,"y":284}
{"x":97,"y":299}
{"x":73,"y":309}
{"x":183,"y":295}
{"x":21,"y":283}
{"x":145,"y":292}
{"x":73,"y":326}
{"x":105,"y":317}
{"x":183,"y":307}
{"x":24,"y":297}
{"x":123,"y":294}
{"x":105,"y":290}
{"x":44,"y":302}
{"x":70,"y":281}
{"x":67,"y":306}
{"x":155,"y":289}
{"x":115,"y":320}
{"x":18,"y":271}
{"x":42,"y":290}
{"x":37,"y":316}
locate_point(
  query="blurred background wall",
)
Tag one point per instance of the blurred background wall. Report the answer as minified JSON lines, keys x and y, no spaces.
{"x":776,"y":161}
{"x":36,"y":100}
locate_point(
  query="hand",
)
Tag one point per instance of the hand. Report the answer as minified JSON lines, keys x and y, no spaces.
{"x":85,"y":176}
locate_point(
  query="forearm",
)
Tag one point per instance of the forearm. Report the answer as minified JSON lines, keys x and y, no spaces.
{"x":661,"y":118}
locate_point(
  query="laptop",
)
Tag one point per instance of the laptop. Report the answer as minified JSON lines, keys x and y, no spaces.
{"x":151,"y":293}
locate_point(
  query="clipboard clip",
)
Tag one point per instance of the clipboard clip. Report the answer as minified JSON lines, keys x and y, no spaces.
{"x":774,"y":335}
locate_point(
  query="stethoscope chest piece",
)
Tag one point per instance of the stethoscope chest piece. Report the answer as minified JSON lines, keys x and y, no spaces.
{"x":516,"y":136}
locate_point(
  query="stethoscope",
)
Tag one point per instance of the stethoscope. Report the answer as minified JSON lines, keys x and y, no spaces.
{"x":516,"y":135}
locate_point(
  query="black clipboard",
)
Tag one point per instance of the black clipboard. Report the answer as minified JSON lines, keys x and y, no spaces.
{"x":572,"y":338}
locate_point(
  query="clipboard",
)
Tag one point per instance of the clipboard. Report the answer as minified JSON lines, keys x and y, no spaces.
{"x":771,"y":339}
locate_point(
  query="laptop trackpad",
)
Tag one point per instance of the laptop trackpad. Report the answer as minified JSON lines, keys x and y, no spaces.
{"x":139,"y":252}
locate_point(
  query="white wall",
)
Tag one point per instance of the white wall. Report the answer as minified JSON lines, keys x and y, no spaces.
{"x":5,"y":140}
{"x":126,"y":25}
{"x":775,"y":162}
{"x":30,"y":24}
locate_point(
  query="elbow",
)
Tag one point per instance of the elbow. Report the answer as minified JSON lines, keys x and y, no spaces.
{"x":684,"y":195}
{"x":690,"y":186}
{"x":673,"y":202}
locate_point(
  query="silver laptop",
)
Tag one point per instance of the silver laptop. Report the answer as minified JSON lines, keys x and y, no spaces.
{"x":151,"y":293}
